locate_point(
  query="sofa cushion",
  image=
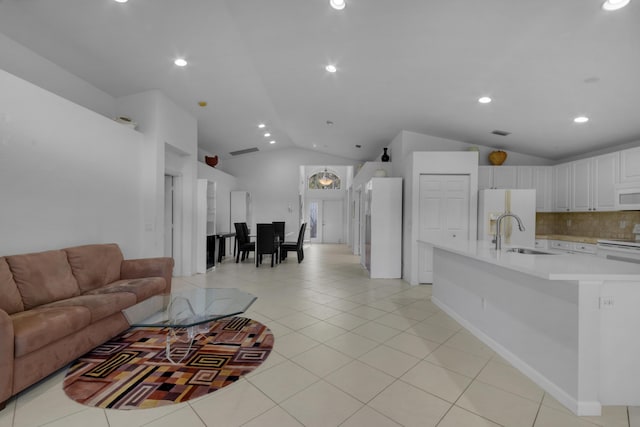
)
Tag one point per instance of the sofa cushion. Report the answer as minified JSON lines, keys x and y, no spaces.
{"x":10,"y":299}
{"x":43,"y":277}
{"x":34,"y":329}
{"x":100,"y":306}
{"x":95,"y":265}
{"x":142,"y":288}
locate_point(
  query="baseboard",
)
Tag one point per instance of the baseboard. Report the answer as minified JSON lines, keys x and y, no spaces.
{"x":588,"y":408}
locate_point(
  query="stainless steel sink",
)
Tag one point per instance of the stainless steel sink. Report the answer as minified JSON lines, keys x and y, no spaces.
{"x":528,"y":251}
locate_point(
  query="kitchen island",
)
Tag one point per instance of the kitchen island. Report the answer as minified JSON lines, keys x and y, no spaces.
{"x":567,"y":321}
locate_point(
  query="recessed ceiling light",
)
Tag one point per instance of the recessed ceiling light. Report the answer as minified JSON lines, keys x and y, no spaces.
{"x":581,"y":119}
{"x":272,"y":142}
{"x":262,"y":125}
{"x":338,"y":4}
{"x":180,"y":62}
{"x":267,"y":135}
{"x":331,"y":68}
{"x":614,"y":4}
{"x":484,"y":100}
{"x":121,"y":1}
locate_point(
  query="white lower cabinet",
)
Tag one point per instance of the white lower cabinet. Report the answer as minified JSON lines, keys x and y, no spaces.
{"x":572,"y":247}
{"x":541,"y":244}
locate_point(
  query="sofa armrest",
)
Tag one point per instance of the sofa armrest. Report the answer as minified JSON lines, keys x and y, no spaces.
{"x":148,"y":267}
{"x":6,"y":357}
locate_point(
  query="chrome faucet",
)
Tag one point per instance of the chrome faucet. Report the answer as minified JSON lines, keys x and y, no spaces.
{"x":499,"y":222}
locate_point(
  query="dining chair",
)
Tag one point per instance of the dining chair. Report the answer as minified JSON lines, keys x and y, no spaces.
{"x":294,"y":246}
{"x":244,"y":244}
{"x":266,"y":243}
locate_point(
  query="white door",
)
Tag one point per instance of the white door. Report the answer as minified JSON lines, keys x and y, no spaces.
{"x":332,"y":224}
{"x":325,"y":221}
{"x":443,"y":215}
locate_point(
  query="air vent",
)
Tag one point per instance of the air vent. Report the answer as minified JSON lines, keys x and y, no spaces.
{"x":501,"y":132}
{"x":248,"y":150}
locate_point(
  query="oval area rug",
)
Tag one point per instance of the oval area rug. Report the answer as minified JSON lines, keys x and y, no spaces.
{"x":132,"y":371}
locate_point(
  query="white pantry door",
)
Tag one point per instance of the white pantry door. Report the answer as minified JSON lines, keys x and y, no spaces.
{"x":444,"y":214}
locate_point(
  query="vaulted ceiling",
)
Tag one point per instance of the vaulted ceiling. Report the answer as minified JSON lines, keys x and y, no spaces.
{"x":417,"y":65}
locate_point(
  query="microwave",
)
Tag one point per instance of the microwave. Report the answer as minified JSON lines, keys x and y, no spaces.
{"x":628,"y":198}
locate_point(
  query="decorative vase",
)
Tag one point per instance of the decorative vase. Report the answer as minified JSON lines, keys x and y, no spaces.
{"x":211,"y":161}
{"x":385,"y":156}
{"x":498,"y":157}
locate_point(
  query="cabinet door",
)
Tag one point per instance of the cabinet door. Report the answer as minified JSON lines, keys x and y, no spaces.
{"x":504,"y":176}
{"x":542,"y":184}
{"x":604,"y":178}
{"x":485,"y":177}
{"x":630,"y":165}
{"x":562,"y":180}
{"x":581,"y":188}
{"x":524,"y":177}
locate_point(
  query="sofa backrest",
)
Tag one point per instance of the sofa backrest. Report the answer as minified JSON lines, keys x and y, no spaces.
{"x":95,"y":265}
{"x":43,"y":277}
{"x":10,"y":299}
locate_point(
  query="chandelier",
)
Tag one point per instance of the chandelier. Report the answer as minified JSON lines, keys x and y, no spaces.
{"x":325,"y":180}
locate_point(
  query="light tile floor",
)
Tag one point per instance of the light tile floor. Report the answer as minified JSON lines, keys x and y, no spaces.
{"x":349,"y":352}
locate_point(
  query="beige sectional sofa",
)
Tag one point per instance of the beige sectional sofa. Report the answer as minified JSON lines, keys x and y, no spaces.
{"x":57,"y":305}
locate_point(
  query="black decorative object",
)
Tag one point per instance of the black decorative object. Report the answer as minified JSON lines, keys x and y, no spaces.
{"x":385,"y":156}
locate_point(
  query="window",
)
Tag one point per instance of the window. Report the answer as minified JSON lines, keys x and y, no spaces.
{"x":315,"y":181}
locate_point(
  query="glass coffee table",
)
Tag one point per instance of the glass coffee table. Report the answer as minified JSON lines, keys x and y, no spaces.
{"x":191,"y":310}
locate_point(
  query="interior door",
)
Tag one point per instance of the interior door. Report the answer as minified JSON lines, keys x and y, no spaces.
{"x":443,"y":215}
{"x":325,"y":221}
{"x":332,"y":224}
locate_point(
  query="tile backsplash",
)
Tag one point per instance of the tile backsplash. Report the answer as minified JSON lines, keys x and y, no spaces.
{"x":608,"y":225}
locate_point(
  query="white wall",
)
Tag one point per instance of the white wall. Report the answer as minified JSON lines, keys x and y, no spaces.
{"x":273,"y":178}
{"x":407,"y":142}
{"x":432,"y":163}
{"x":20,"y":61}
{"x":171,"y":146}
{"x":68,"y":176}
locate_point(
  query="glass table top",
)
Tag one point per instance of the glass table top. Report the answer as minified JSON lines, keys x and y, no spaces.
{"x":182,"y":309}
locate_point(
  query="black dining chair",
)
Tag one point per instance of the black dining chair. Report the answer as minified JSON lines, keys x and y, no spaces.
{"x":266,"y":243}
{"x":286,"y":247}
{"x":244,"y":244}
{"x":278,"y":227}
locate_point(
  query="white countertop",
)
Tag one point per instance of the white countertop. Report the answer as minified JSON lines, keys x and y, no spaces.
{"x":551,"y":267}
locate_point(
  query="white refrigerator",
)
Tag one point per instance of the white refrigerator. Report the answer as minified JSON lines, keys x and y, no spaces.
{"x":493,"y":203}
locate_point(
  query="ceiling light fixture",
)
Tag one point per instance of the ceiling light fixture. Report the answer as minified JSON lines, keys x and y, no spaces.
{"x":614,"y":4}
{"x":338,"y":4}
{"x":581,"y":119}
{"x":180,"y":62}
{"x":484,"y":100}
{"x":325,"y":180}
{"x":121,"y":1}
{"x":331,"y":68}
{"x":267,"y":135}
{"x":262,"y":126}
{"x":272,"y":142}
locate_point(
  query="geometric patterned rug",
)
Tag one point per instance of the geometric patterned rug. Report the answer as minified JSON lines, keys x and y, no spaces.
{"x":131,"y":371}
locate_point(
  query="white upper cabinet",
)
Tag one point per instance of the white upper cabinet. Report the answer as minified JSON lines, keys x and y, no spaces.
{"x":581,"y":185}
{"x":588,"y":183}
{"x":604,"y":179}
{"x":539,"y":179}
{"x":485,"y":177}
{"x":505,"y":176}
{"x":561,"y":187}
{"x":630,"y":165}
{"x":497,"y":177}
